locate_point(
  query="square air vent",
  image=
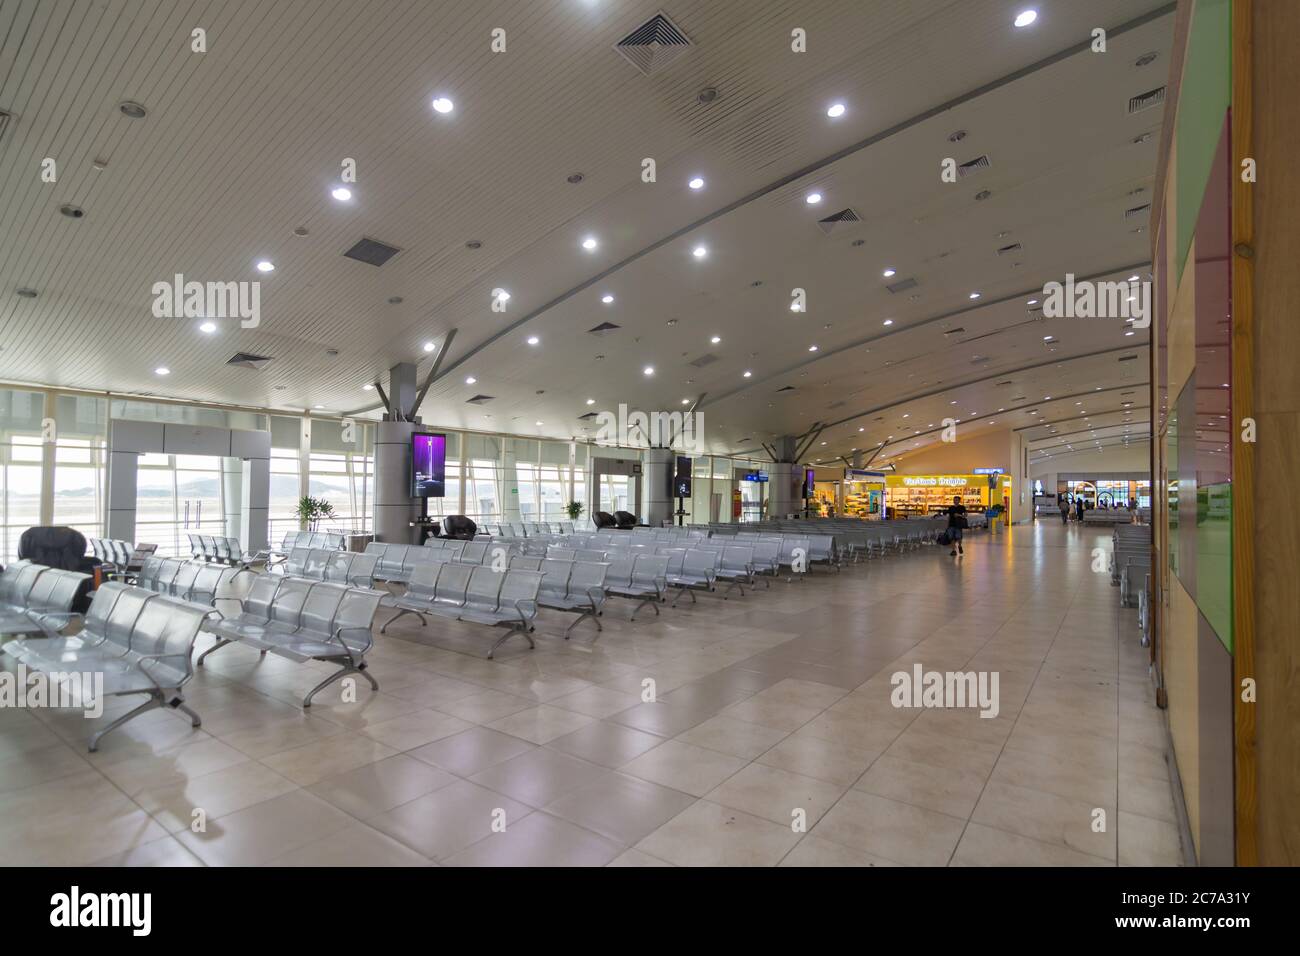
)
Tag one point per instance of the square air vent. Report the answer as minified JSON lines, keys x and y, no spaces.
{"x":838,"y":222}
{"x":248,"y":360}
{"x":603,"y":328}
{"x":479,"y":400}
{"x":704,"y":360}
{"x":974,"y":166}
{"x":902,"y":285}
{"x":653,"y":45}
{"x":372,"y":251}
{"x":588,"y":417}
{"x":1144,"y":209}
{"x":1145,"y":101}
{"x":1127,"y":358}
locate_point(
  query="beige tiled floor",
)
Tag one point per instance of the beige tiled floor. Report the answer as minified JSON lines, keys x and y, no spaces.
{"x":770,"y":739}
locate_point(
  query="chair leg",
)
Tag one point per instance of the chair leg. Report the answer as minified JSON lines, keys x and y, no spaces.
{"x":155,"y":701}
{"x":178,"y":703}
{"x":400,"y":612}
{"x":221,"y":642}
{"x":338,"y":675}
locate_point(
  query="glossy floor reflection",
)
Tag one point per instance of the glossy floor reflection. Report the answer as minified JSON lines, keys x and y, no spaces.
{"x":772,"y":739}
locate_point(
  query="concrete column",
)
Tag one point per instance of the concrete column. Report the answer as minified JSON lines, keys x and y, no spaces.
{"x":255,"y":504}
{"x":656,"y":483}
{"x":782,"y":499}
{"x":394,"y":506}
{"x":121,"y":494}
{"x":232,"y":497}
{"x":509,"y":482}
{"x":48,"y":459}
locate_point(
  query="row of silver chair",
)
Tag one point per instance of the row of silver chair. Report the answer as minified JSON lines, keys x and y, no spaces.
{"x":344,"y":567}
{"x":36,"y":599}
{"x":111,"y":552}
{"x":194,"y":581}
{"x":478,"y":594}
{"x":218,"y":548}
{"x":133,"y":641}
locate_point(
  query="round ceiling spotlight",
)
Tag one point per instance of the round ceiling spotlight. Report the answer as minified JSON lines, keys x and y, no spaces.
{"x":443,"y":105}
{"x":699,"y":252}
{"x":265,"y":265}
{"x":707,"y":95}
{"x":162,"y":370}
{"x":429,"y":346}
{"x":607,"y":299}
{"x":590,"y":243}
{"x":533,"y":340}
{"x":836,"y":110}
{"x":474,"y":244}
{"x":1026,"y":17}
{"x":956,"y":136}
{"x":71,"y":211}
{"x":575,"y":178}
{"x":132,"y":109}
{"x":341,"y":193}
{"x":696,"y":183}
{"x":208,"y":327}
{"x":813,"y":199}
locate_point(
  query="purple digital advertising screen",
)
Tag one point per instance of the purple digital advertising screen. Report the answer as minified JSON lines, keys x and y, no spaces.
{"x":428,"y":465}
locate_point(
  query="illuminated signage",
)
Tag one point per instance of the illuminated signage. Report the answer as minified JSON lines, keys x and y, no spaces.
{"x":754,"y":476}
{"x":986,"y":471}
{"x":947,"y":481}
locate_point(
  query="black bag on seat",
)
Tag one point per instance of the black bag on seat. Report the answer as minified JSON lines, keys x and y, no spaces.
{"x":624,"y":520}
{"x":459,"y":527}
{"x":604,"y":519}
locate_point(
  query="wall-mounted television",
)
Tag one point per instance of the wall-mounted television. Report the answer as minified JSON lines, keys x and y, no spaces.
{"x":809,"y":482}
{"x":428,"y":465}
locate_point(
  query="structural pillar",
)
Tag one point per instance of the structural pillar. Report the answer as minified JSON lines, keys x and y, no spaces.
{"x":395,"y":509}
{"x":656,"y":486}
{"x":781,"y":497}
{"x":232,"y":498}
{"x":121,"y":494}
{"x":255,"y":504}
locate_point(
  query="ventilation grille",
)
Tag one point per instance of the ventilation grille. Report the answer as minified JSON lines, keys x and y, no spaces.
{"x":839,"y":221}
{"x":479,"y":400}
{"x":603,"y":328}
{"x":903,"y":285}
{"x":372,"y":251}
{"x":956,"y":331}
{"x":1137,"y":211}
{"x":1007,"y":250}
{"x":248,"y":360}
{"x":1145,"y":101}
{"x":974,"y":166}
{"x":4,"y":122}
{"x":1000,"y":384}
{"x":654,"y":45}
{"x":785,"y":388}
{"x":1127,"y":358}
{"x":704,"y":360}
{"x":588,"y":417}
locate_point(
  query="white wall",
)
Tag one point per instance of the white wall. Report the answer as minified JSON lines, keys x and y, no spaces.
{"x":1136,"y":457}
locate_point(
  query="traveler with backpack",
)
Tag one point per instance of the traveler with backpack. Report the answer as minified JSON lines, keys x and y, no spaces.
{"x":1065,"y":510}
{"x":956,"y":524}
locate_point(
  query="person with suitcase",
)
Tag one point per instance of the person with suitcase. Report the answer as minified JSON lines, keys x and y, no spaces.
{"x":956,"y":524}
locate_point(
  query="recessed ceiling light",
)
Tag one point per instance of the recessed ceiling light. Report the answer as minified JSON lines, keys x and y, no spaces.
{"x":888,"y":272}
{"x":429,"y":346}
{"x":648,"y":370}
{"x":748,"y":373}
{"x":132,"y":109}
{"x":974,"y":295}
{"x":341,"y":193}
{"x":591,"y":401}
{"x":1130,"y":332}
{"x":1133,"y":278}
{"x":813,"y":199}
{"x":607,"y":298}
{"x":696,"y":183}
{"x":836,"y":110}
{"x":533,"y":340}
{"x":716,"y":339}
{"x":318,"y":406}
{"x":443,"y":105}
{"x":1032,"y":302}
{"x":208,"y":327}
{"x":796,"y":307}
{"x":699,"y":252}
{"x":470,"y":380}
{"x":265,"y":265}
{"x":888,"y":322}
{"x":539,"y":424}
{"x":861,"y":429}
{"x":812,"y":348}
{"x":1026,"y":17}
{"x":162,"y":370}
{"x":590,"y":243}
{"x":367,"y":387}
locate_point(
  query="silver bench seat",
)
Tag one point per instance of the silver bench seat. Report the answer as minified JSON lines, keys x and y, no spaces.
{"x":573,"y":586}
{"x":42,"y":600}
{"x":642,"y":578}
{"x":136,"y":641}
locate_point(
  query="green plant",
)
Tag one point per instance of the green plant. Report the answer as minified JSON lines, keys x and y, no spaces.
{"x":575,"y":509}
{"x":311,"y":510}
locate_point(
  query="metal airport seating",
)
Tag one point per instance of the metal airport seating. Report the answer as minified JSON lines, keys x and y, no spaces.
{"x":736,"y":567}
{"x":136,"y":641}
{"x":35,"y":599}
{"x":191,"y":581}
{"x":302,"y":620}
{"x":642,"y":578}
{"x":692,"y":570}
{"x":573,"y":586}
{"x":344,"y":567}
{"x":114,"y":555}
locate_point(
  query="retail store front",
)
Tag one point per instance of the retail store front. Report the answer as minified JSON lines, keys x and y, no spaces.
{"x":864,"y":494}
{"x":911,"y":496}
{"x":1104,"y":492}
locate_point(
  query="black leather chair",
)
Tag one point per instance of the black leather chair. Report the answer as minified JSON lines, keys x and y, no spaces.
{"x":58,"y":547}
{"x":459,"y":527}
{"x":624,"y":520}
{"x":604,"y":519}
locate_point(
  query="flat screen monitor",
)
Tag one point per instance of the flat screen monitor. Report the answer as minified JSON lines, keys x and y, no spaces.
{"x":428,"y":465}
{"x":809,"y":482}
{"x":682,"y":486}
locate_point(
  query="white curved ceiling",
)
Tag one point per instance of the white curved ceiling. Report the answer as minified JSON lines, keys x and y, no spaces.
{"x":242,"y":143}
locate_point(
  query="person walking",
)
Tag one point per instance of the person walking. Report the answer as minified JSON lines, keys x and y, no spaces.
{"x":1065,"y":510}
{"x":956,"y":524}
{"x":1078,"y":507}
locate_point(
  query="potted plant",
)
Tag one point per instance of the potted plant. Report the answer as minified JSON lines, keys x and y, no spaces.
{"x":311,"y":510}
{"x":575,"y":509}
